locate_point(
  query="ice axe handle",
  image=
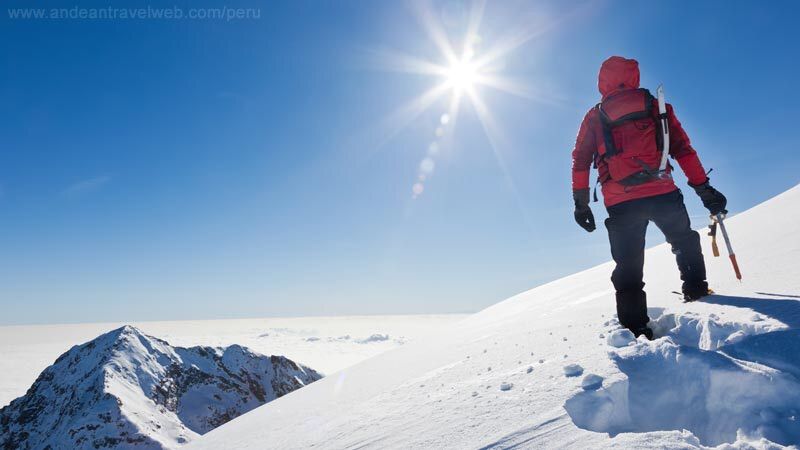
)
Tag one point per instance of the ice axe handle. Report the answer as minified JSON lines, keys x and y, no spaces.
{"x":731,"y":254}
{"x":712,"y":231}
{"x":736,"y":267}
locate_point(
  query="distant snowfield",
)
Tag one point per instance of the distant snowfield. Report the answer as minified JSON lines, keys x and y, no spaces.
{"x":326,"y":344}
{"x":551,"y":368}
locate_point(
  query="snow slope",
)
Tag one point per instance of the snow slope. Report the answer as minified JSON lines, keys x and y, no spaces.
{"x":328,"y":344}
{"x":550,"y":368}
{"x":125,"y":389}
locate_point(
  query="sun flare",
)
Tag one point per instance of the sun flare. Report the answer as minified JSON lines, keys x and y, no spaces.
{"x":468,"y":67}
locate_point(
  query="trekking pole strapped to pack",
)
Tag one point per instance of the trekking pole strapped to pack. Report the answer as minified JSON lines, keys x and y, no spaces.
{"x":662,"y":116}
{"x":719,"y":219}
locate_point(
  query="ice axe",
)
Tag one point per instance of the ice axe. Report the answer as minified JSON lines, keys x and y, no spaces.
{"x":718,"y":219}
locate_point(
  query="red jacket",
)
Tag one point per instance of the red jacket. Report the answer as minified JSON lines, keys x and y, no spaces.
{"x":618,"y":74}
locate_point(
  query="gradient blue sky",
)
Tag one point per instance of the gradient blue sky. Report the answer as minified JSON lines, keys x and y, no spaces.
{"x":186,"y":169}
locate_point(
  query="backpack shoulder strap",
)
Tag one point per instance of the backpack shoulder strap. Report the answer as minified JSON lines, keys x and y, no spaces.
{"x":608,"y":138}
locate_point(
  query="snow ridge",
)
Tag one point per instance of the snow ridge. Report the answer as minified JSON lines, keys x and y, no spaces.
{"x":723,"y":373}
{"x":127,"y":389}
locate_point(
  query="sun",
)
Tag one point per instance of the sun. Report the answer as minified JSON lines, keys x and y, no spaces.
{"x":462,"y":75}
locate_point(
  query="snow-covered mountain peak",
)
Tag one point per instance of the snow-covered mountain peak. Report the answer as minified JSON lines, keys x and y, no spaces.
{"x":125,"y":388}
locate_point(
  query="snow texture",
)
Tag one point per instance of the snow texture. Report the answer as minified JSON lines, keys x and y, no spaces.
{"x":125,"y":389}
{"x":671,"y":386}
{"x":621,"y":338}
{"x":722,"y":373}
{"x":573,"y":370}
{"x":591,"y":382}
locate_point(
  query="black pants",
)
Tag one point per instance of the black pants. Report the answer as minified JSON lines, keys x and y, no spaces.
{"x":627,"y":226}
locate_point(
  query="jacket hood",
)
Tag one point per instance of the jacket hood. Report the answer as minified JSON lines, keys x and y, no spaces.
{"x":616,"y":74}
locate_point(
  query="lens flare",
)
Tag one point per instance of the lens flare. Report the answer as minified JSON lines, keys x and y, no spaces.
{"x":427,"y":165}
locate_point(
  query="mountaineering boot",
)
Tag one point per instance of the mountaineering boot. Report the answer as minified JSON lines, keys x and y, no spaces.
{"x":696,"y":292}
{"x":646,"y":331}
{"x":632,"y":310}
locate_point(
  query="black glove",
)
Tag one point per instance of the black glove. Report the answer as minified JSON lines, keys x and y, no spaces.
{"x":712,"y":199}
{"x":583,"y":214}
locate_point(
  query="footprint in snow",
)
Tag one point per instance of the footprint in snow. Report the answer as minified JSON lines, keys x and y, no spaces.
{"x":573,"y":370}
{"x":758,"y":399}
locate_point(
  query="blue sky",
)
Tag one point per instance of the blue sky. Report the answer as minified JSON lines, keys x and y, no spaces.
{"x":182,"y":169}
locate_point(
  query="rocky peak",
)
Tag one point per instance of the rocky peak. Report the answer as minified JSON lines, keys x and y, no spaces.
{"x":125,"y":388}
